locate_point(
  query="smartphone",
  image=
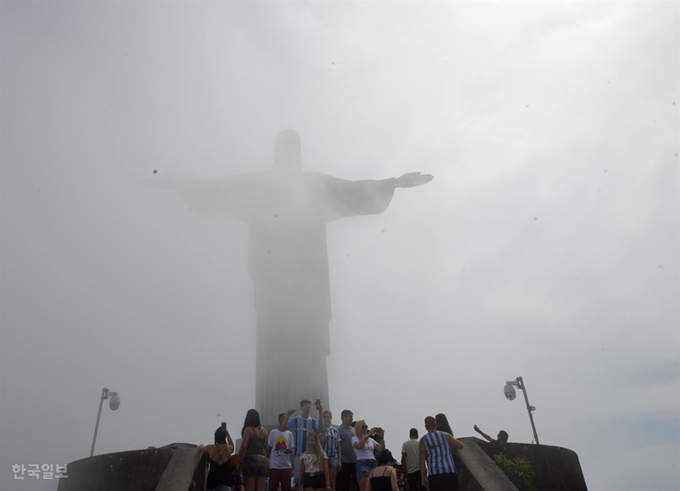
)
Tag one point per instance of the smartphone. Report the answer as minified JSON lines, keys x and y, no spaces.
{"x":224,"y":425}
{"x":317,"y":402}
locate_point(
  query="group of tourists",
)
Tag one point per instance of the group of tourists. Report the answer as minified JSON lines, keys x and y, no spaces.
{"x":306,"y":454}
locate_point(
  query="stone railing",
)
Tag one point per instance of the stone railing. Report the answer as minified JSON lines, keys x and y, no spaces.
{"x":176,"y":467}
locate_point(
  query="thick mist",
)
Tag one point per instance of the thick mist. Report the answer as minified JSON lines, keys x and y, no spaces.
{"x":545,"y":246}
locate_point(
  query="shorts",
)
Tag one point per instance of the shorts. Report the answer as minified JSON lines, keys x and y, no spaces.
{"x":255,"y":467}
{"x":332,"y":462}
{"x":364,"y":468}
{"x":315,"y":481}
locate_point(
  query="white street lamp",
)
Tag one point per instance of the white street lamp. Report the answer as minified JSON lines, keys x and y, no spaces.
{"x":114,"y":404}
{"x":510,"y":395}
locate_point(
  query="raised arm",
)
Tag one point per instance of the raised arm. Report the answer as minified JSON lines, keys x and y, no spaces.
{"x":379,"y":437}
{"x":283,"y":426}
{"x":492,"y":440}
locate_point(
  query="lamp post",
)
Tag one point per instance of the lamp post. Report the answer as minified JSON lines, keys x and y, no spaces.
{"x":510,"y":394}
{"x":114,"y":403}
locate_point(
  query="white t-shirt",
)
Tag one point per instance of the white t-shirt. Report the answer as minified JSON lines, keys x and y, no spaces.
{"x":412,"y":450}
{"x":365,"y":453}
{"x":280,"y":441}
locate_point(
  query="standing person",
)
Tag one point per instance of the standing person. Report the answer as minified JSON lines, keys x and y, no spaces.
{"x":435,"y":448}
{"x":301,"y":427}
{"x":501,"y":438}
{"x":365,"y":447}
{"x":383,"y":477}
{"x":410,"y":461}
{"x":313,"y":474}
{"x":281,"y":446}
{"x":443,"y":425}
{"x":330,"y":442}
{"x":346,"y":479}
{"x":219,"y":475}
{"x":253,"y":452}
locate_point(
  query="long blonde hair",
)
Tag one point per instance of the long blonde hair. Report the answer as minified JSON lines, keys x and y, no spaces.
{"x":359,"y":431}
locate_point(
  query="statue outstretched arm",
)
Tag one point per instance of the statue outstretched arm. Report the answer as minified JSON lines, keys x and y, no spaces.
{"x":412,"y":179}
{"x":369,"y":197}
{"x":231,"y":196}
{"x":165,"y":183}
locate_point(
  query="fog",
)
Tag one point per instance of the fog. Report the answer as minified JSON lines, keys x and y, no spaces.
{"x":546,"y":245}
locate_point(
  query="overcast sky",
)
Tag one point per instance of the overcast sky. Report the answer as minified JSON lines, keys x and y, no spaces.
{"x":546,"y":246}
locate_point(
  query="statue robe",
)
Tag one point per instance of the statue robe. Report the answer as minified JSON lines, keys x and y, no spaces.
{"x":287,"y":213}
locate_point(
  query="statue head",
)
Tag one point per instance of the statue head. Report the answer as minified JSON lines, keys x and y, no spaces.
{"x":287,"y":153}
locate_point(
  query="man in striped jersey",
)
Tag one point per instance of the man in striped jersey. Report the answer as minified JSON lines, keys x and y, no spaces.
{"x":435,"y":449}
{"x":330,"y":442}
{"x":301,"y":427}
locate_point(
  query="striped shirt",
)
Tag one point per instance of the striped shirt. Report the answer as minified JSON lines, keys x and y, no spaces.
{"x":301,"y":429}
{"x":330,"y":446}
{"x":439,"y":459}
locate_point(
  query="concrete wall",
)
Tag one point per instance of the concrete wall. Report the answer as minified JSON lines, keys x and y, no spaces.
{"x":557,"y":468}
{"x":180,"y":467}
{"x":476,"y":470}
{"x":136,"y":470}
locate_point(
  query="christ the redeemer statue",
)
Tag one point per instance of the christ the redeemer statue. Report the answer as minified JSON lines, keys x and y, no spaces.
{"x":287,"y":210}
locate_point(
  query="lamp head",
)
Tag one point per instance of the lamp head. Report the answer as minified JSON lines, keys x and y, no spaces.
{"x":114,"y":403}
{"x":510,"y":393}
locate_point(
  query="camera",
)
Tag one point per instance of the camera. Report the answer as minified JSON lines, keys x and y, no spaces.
{"x":114,"y":402}
{"x":510,"y":393}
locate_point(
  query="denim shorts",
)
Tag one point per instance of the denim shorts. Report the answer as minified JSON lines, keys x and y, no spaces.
{"x":255,"y":467}
{"x":332,"y":462}
{"x":364,"y":468}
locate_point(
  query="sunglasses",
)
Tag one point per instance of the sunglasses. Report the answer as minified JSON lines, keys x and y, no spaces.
{"x":365,"y":427}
